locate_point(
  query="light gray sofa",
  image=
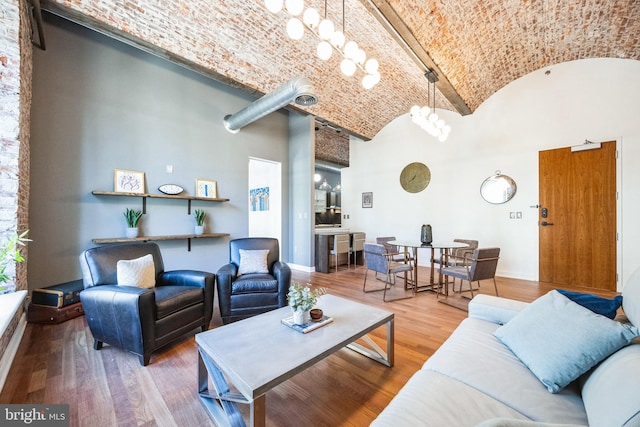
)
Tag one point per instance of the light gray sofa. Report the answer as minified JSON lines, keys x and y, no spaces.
{"x":474,"y":379}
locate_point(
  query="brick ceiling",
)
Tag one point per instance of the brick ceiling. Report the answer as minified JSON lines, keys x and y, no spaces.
{"x":476,"y":46}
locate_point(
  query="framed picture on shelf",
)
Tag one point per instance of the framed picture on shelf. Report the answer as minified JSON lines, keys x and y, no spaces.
{"x":206,"y":188}
{"x":367,"y":200}
{"x":126,"y":181}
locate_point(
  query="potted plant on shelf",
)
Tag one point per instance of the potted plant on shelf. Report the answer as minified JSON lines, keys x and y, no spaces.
{"x":199,"y":215}
{"x":301,"y":300}
{"x":132,"y":217}
{"x":9,"y":253}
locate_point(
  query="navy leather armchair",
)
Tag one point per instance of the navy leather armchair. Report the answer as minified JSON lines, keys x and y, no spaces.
{"x":136,"y":319}
{"x":245,"y":295}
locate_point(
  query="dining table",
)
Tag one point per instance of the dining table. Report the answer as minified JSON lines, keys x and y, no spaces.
{"x":445,"y":250}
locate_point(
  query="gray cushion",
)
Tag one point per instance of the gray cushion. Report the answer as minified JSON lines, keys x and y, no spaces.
{"x":612,"y":391}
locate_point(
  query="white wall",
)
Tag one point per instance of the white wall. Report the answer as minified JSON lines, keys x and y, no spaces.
{"x":594,"y":99}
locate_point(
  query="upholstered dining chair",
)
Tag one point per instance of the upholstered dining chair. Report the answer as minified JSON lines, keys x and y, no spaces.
{"x":377,"y":259}
{"x":384,"y":241}
{"x":479,"y":265}
{"x":254,"y":281}
{"x":130,"y":302}
{"x":341,"y":245}
{"x":357,"y":245}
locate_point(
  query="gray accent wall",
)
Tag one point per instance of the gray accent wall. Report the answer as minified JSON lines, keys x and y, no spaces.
{"x":100,"y":105}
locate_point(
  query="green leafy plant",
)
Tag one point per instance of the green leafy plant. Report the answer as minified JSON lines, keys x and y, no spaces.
{"x":9,"y":253}
{"x":302,"y":297}
{"x":132,"y":217}
{"x":199,"y":215}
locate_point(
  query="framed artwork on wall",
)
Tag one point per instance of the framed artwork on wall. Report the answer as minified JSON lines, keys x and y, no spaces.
{"x":367,"y":199}
{"x":126,"y":181}
{"x":206,"y":188}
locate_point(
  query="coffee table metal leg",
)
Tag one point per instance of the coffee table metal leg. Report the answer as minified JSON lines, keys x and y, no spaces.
{"x":221,"y":403}
{"x":374,"y":351}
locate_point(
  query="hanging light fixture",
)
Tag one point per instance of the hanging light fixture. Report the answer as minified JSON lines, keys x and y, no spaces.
{"x":324,"y":186}
{"x":331,"y":39}
{"x":427,"y":119}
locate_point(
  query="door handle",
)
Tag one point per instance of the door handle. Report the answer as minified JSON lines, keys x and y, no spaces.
{"x":545,"y":223}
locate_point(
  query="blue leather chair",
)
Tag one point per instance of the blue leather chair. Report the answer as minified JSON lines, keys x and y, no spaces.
{"x":136,"y":319}
{"x":242,"y":296}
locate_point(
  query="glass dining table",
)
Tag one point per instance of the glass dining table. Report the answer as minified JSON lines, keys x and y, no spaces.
{"x":445,"y":251}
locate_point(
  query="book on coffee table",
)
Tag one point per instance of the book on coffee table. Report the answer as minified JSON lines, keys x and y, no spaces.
{"x":307,"y":327}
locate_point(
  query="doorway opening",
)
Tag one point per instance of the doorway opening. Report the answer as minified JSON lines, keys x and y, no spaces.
{"x":265,"y":199}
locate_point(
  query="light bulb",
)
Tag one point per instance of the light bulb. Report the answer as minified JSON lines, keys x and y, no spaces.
{"x":294,"y":7}
{"x":324,"y":50}
{"x":360,"y":56}
{"x":348,"y":67}
{"x":424,"y":111}
{"x":337,"y":39}
{"x":368,"y":81}
{"x":274,"y":6}
{"x":325,"y":29}
{"x":443,"y":137}
{"x":351,"y":49}
{"x":376,"y":77}
{"x":311,"y":17}
{"x":371,"y":66}
{"x":317,"y":177}
{"x":415,"y":110}
{"x":295,"y":29}
{"x":433,"y":117}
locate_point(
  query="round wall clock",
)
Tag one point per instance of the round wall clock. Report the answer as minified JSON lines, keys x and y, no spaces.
{"x":415,"y":177}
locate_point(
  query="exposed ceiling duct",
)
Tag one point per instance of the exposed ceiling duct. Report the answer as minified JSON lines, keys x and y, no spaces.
{"x":298,"y":89}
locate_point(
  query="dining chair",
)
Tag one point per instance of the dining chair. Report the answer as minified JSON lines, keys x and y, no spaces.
{"x":357,"y":245}
{"x":457,"y":257}
{"x":340,"y":246}
{"x":377,"y":259}
{"x":399,"y":257}
{"x":480,"y":265}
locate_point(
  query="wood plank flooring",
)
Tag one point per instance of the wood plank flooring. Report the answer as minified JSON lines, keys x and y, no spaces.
{"x":57,"y":364}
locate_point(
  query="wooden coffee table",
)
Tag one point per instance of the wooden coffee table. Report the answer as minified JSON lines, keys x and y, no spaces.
{"x":245,"y":359}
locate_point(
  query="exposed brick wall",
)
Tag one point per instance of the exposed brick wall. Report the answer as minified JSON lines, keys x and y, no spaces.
{"x":15,"y":105}
{"x":332,"y":146}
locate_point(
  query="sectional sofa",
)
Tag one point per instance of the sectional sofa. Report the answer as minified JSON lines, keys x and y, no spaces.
{"x":551,"y":362}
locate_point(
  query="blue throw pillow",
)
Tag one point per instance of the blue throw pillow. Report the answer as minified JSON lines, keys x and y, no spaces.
{"x":559,"y":340}
{"x":604,"y":306}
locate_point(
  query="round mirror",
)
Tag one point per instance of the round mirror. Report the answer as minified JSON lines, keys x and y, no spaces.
{"x":498,"y":188}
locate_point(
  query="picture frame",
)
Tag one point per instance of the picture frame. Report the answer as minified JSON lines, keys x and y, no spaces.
{"x":367,"y":199}
{"x":206,"y":188}
{"x":128,"y":181}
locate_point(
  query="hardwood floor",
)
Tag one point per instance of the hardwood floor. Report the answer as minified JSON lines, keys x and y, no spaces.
{"x":57,"y":364}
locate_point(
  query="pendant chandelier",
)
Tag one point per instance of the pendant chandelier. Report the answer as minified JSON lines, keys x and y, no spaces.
{"x":427,"y":118}
{"x":330,"y":39}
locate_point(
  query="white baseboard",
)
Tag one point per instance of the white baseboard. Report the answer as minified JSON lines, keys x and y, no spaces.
{"x":304,"y":268}
{"x":12,"y":349}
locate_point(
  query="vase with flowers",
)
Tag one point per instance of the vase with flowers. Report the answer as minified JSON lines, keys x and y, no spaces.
{"x":302,"y":299}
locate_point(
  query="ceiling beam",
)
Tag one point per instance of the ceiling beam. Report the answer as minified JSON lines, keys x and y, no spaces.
{"x":397,"y":28}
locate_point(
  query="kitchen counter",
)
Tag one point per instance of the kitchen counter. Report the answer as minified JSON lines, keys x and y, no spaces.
{"x":324,"y":244}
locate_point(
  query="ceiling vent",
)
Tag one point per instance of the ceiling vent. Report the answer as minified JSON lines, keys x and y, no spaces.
{"x":298,"y":89}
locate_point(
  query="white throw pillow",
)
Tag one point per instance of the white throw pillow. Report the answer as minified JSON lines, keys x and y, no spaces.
{"x":139,"y":272}
{"x":253,"y":261}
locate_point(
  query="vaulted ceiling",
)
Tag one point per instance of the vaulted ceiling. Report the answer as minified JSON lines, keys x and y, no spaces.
{"x":475,"y":47}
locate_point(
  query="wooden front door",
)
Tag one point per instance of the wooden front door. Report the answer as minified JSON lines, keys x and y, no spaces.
{"x":577,"y":217}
